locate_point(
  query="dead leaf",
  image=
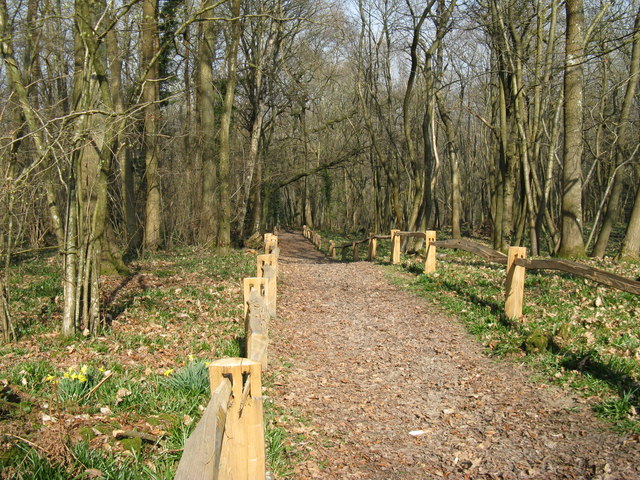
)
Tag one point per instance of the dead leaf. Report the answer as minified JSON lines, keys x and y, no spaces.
{"x":121,"y":394}
{"x":92,"y":473}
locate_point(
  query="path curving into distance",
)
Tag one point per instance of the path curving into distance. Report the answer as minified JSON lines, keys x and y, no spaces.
{"x":366,"y":363}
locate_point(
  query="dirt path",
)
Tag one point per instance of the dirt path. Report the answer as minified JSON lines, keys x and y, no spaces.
{"x":371,"y":363}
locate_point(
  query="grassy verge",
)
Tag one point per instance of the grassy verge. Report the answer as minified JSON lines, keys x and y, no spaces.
{"x":573,"y":332}
{"x":64,"y":401}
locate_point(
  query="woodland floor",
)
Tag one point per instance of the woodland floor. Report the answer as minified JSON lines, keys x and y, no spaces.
{"x":367,"y":363}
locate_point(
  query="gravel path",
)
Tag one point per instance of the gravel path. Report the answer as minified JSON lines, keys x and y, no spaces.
{"x":372,"y":363}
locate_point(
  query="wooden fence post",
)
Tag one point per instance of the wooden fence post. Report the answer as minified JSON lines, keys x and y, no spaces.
{"x":395,"y":247}
{"x":515,"y":283}
{"x":373,"y":246}
{"x":270,"y":242}
{"x":256,"y":326}
{"x":268,"y":268}
{"x":332,"y":249}
{"x":355,"y":255}
{"x":430,"y":251}
{"x":265,"y":259}
{"x":258,"y":284}
{"x":243,"y":447}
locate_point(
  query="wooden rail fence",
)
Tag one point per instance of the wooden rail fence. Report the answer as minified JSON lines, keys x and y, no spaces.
{"x":228,"y":441}
{"x":516,"y":262}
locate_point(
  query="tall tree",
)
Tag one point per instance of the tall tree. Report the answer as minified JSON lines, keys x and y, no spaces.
{"x":630,"y":249}
{"x":571,"y":239}
{"x":205,"y":108}
{"x":623,"y":144}
{"x":95,"y":133}
{"x":151,"y":96}
{"x":224,"y":180}
{"x":30,"y":114}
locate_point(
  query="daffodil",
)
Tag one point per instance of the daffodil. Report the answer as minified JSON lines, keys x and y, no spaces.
{"x":168,"y":372}
{"x":49,"y":378}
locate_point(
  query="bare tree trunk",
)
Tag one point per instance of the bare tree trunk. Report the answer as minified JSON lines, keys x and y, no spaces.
{"x":224,"y":227}
{"x":8,"y":333}
{"x":260,"y":53}
{"x":70,"y":266}
{"x":206,"y":104}
{"x":127,"y":190}
{"x":571,"y":240}
{"x":452,"y":153}
{"x":417,"y":177}
{"x":96,"y":139}
{"x":16,"y":82}
{"x":623,"y":141}
{"x":630,"y":249}
{"x":507,"y":166}
{"x":150,"y":96}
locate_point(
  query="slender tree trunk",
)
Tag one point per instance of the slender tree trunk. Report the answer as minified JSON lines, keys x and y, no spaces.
{"x":224,"y":228}
{"x":125,"y":164}
{"x":571,"y":240}
{"x":452,"y":153}
{"x":431,"y":159}
{"x":623,"y":141}
{"x":206,"y":104}
{"x":16,"y":82}
{"x":417,"y":178}
{"x":507,"y":165}
{"x":630,"y":249}
{"x":256,"y":199}
{"x":150,"y":94}
{"x":96,"y":140}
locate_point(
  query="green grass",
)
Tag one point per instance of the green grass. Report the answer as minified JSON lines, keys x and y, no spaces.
{"x":34,"y":466}
{"x":147,"y":372}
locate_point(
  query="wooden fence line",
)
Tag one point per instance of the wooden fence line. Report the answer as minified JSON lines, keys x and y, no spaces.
{"x":516,"y":263}
{"x":228,"y":441}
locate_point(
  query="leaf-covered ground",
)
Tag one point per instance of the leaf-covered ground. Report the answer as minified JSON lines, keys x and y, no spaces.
{"x":387,"y":386}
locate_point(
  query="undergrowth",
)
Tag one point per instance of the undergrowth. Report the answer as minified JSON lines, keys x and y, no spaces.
{"x":62,"y":399}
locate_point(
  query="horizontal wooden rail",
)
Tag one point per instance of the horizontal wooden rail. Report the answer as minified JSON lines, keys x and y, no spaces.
{"x":202,"y":450}
{"x":474,"y":247}
{"x":600,"y":276}
{"x":411,"y":234}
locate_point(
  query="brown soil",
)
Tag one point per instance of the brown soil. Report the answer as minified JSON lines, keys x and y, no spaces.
{"x":371,"y":363}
